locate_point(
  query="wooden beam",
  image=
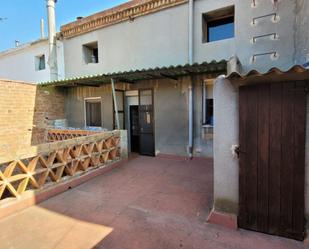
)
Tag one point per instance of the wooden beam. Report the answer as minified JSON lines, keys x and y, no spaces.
{"x":85,"y":84}
{"x":125,"y":80}
{"x":169,"y":76}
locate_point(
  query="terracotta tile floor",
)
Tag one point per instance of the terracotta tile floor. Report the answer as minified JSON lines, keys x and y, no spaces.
{"x":149,"y":203}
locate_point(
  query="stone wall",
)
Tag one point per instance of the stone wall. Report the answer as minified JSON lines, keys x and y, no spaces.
{"x":25,"y":112}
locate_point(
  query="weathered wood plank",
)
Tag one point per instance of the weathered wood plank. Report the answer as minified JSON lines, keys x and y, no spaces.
{"x":263,"y":156}
{"x":242,"y":218}
{"x":275,"y":121}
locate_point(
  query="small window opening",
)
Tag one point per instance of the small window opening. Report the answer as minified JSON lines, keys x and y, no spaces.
{"x":93,"y":109}
{"x":40,"y":62}
{"x":91,"y":53}
{"x":218,"y":25}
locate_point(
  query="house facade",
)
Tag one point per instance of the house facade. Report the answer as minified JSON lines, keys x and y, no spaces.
{"x":163,"y":70}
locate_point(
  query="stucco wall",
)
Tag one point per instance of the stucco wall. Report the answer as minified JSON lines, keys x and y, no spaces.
{"x":225,"y":135}
{"x":19,"y":63}
{"x":170,"y":111}
{"x":155,"y":40}
{"x":285,"y":28}
{"x":159,"y":39}
{"x":75,"y":109}
{"x":302,"y":34}
{"x":171,"y":114}
{"x":217,"y":50}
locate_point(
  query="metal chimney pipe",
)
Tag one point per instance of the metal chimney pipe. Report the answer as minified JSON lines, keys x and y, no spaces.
{"x":42,"y":29}
{"x":52,"y":60}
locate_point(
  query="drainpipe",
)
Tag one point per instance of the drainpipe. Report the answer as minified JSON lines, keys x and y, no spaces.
{"x":52,"y":60}
{"x":115,"y":104}
{"x":190,"y":89}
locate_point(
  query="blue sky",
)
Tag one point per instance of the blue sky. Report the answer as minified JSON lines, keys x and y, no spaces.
{"x":23,"y":17}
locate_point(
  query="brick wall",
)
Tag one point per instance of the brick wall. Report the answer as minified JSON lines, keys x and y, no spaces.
{"x":25,"y":112}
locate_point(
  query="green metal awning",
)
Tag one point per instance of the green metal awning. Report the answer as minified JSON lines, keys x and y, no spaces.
{"x":173,"y":72}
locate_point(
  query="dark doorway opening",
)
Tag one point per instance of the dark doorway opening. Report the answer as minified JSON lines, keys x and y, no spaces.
{"x":146,"y":122}
{"x":134,"y":128}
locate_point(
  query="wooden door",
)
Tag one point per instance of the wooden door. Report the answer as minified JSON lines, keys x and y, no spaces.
{"x":146,"y":122}
{"x":272,"y":123}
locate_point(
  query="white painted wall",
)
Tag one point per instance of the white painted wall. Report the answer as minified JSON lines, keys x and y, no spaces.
{"x":158,"y":39}
{"x":161,"y":39}
{"x":155,"y":40}
{"x":286,"y":28}
{"x":218,"y":50}
{"x":225,"y":135}
{"x":19,"y":63}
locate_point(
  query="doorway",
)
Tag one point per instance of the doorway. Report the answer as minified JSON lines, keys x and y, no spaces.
{"x":272,"y":124}
{"x":134,"y":128}
{"x":146,"y":122}
{"x":140,"y":120}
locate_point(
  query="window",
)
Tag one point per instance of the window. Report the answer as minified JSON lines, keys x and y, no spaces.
{"x":39,"y":62}
{"x":218,"y":25}
{"x":93,"y":112}
{"x":208,"y":104}
{"x":91,"y":53}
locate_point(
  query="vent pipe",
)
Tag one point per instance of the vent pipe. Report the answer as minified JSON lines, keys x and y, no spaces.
{"x":52,"y":60}
{"x":42,"y":29}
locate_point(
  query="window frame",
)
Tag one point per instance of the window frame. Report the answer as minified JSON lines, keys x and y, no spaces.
{"x":216,"y":16}
{"x":37,"y":62}
{"x":100,"y":100}
{"x":204,"y":103}
{"x":88,"y":49}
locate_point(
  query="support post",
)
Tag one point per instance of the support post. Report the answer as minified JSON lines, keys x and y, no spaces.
{"x":115,"y":104}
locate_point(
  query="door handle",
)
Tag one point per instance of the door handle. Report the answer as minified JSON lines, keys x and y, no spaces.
{"x":236,"y":151}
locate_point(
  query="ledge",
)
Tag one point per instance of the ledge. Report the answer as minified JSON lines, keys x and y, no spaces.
{"x":121,"y":13}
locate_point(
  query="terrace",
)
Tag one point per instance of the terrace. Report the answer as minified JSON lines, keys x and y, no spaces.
{"x":67,"y":157}
{"x":145,"y":203}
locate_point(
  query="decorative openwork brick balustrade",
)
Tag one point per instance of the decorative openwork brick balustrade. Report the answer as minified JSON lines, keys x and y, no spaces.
{"x":54,"y":135}
{"x":49,"y":164}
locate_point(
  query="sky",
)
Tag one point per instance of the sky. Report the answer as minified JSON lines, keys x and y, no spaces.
{"x":23,"y":17}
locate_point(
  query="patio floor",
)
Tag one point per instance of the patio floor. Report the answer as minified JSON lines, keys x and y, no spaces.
{"x":149,"y":203}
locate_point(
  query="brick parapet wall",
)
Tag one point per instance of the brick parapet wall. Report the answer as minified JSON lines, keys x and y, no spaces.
{"x":25,"y":113}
